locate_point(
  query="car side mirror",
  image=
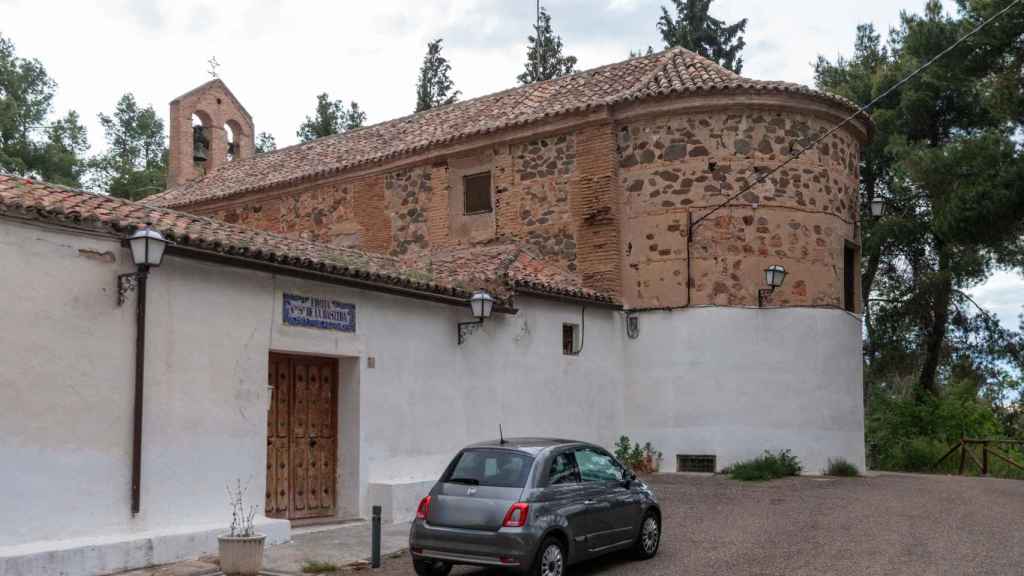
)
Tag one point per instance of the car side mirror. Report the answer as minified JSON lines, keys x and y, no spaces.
{"x":629,"y":479}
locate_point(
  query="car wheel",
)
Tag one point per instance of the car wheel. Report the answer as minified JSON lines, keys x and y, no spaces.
{"x":550,"y":559}
{"x":431,"y":567}
{"x":649,"y":539}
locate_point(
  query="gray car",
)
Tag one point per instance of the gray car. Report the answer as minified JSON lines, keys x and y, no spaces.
{"x":532,"y":505}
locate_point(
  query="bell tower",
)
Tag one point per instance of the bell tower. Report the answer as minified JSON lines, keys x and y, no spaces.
{"x":209,"y":128}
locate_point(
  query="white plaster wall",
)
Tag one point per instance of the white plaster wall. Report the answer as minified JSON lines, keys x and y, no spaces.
{"x":736,"y":381}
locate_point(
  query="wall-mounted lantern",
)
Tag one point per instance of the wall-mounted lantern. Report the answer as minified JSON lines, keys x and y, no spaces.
{"x":877,"y":206}
{"x":481,"y":304}
{"x":774,"y":276}
{"x":147,"y":249}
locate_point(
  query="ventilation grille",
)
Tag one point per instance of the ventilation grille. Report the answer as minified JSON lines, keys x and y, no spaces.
{"x":695,"y":463}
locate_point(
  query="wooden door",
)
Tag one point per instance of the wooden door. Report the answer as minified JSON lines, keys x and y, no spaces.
{"x":301,"y":437}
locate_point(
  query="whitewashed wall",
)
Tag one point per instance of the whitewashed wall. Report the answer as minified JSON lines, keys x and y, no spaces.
{"x":734,"y":382}
{"x":66,"y":394}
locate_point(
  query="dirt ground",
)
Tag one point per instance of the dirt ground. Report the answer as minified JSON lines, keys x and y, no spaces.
{"x":887,"y":524}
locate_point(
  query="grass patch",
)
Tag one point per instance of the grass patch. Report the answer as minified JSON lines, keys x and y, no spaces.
{"x":767,"y":466}
{"x":317,"y":567}
{"x":840,"y":467}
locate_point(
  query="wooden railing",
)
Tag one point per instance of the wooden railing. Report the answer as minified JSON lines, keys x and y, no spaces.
{"x":965,"y":446}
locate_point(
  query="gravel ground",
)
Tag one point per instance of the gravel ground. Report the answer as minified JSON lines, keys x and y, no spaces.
{"x":884,"y":525}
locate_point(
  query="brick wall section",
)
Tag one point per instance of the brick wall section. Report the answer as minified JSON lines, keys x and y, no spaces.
{"x":320,"y":213}
{"x":800,"y":218}
{"x":595,"y":199}
{"x":437,"y":211}
{"x":371,"y":215}
{"x":539,"y":212}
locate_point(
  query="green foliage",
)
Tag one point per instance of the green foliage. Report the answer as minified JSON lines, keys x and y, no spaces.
{"x":330,"y":117}
{"x":841,"y":467}
{"x":435,"y":87}
{"x":946,"y":162}
{"x":29,"y":146}
{"x":544,"y":58}
{"x":135,"y":163}
{"x":767,"y":466}
{"x":265,"y":142}
{"x":640,"y":459}
{"x":318,"y":567}
{"x":695,"y":29}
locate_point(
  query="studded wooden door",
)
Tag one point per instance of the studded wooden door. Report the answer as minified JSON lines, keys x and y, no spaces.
{"x":301,"y":437}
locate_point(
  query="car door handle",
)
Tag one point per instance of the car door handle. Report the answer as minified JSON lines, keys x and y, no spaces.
{"x":590,"y":502}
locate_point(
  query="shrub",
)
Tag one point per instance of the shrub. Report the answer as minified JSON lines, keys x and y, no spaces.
{"x":767,"y":466}
{"x":640,"y":459}
{"x":840,"y":467}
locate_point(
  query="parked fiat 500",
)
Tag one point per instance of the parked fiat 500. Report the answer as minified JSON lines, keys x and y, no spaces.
{"x":534,"y":506}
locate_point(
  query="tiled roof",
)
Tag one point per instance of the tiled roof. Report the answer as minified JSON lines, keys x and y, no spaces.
{"x":672,"y":72}
{"x":501,"y":268}
{"x":34,"y":200}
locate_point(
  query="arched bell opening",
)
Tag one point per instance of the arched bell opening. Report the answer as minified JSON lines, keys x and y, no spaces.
{"x":201,"y":133}
{"x":235,"y":136}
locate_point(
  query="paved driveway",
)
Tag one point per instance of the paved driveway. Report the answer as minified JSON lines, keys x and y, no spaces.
{"x":884,"y":525}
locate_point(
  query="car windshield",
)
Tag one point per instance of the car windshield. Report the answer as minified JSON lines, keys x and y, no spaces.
{"x":483,"y":467}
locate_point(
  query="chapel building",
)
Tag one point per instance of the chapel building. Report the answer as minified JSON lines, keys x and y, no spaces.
{"x":310,"y":330}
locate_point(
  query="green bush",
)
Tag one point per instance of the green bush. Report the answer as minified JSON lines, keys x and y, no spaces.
{"x":841,"y":467}
{"x":767,"y":466}
{"x":640,"y":459}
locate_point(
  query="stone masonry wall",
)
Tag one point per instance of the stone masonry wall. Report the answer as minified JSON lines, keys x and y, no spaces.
{"x":677,"y":168}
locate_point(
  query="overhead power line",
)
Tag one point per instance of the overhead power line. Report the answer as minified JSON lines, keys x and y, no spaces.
{"x":862,"y":110}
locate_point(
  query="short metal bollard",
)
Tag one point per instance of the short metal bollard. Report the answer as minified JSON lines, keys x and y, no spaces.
{"x":375,"y":539}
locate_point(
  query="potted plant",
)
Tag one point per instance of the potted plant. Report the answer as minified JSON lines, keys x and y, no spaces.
{"x":241,"y":549}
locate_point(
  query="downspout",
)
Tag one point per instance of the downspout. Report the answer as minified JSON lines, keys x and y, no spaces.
{"x":140,"y":365}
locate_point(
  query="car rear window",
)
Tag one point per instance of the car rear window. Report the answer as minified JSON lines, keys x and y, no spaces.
{"x":483,"y":467}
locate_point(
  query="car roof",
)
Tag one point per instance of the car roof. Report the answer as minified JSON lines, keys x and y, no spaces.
{"x":531,"y":445}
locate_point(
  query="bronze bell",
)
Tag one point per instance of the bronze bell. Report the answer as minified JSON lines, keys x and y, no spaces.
{"x":200,"y":145}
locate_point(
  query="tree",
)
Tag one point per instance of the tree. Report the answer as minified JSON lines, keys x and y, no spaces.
{"x":544,"y":59}
{"x":947,"y":165}
{"x":434,"y":87}
{"x":61,"y":157}
{"x":135,"y":163}
{"x":331,"y":117}
{"x":28,"y":145}
{"x":694,"y":29}
{"x":265,"y":142}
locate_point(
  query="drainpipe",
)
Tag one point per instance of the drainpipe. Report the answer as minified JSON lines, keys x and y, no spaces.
{"x":140,"y":364}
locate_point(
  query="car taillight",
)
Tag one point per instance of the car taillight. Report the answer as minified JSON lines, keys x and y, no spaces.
{"x":516,"y":515}
{"x":424,"y":508}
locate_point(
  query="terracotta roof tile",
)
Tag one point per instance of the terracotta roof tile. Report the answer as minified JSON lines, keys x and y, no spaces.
{"x":674,"y":71}
{"x":453,"y":274}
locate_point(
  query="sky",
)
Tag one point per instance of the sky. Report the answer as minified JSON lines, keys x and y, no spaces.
{"x":277,"y":55}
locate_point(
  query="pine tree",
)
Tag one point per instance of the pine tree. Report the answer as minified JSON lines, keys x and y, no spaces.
{"x":544,"y":59}
{"x":331,"y":117}
{"x":265,"y":142}
{"x":434,"y":87}
{"x":135,"y":164}
{"x":694,"y":29}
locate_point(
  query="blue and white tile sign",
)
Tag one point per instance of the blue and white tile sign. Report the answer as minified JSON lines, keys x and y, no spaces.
{"x":320,"y":313}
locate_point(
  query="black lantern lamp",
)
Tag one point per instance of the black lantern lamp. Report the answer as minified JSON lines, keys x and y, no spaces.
{"x":147,"y":248}
{"x":481,"y":303}
{"x":877,"y":206}
{"x":774,"y":276}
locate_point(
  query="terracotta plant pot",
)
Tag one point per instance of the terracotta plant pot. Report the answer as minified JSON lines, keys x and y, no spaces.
{"x":241,"y":555}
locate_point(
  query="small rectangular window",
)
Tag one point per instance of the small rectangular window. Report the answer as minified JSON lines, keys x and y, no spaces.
{"x":477,"y":189}
{"x":696,"y":463}
{"x":849,"y":277}
{"x":571,"y":339}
